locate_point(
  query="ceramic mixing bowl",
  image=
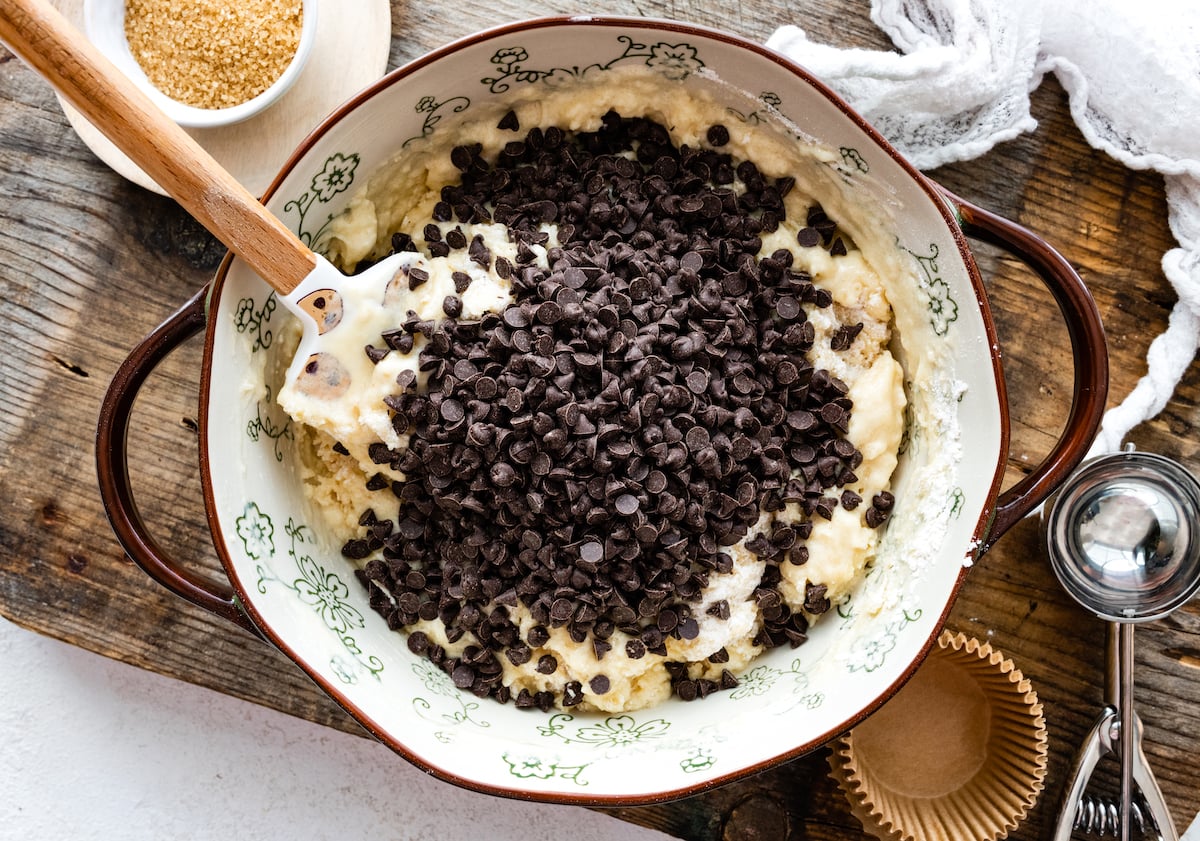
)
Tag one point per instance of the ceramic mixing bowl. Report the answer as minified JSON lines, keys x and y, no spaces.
{"x":289,"y":583}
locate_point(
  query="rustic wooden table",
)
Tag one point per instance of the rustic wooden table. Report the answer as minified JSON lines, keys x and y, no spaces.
{"x":90,"y":263}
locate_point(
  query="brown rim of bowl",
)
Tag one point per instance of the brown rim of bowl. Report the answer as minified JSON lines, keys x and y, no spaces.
{"x":965,"y":255}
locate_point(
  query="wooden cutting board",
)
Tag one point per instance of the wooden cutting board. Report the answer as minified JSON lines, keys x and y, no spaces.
{"x":90,"y":262}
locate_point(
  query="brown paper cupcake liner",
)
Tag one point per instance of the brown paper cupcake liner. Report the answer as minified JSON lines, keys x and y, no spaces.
{"x":959,"y":754}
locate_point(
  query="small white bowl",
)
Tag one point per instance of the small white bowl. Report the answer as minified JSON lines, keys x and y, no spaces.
{"x":104,"y":25}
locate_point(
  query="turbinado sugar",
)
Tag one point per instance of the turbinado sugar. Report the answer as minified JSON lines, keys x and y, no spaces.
{"x":210,"y":53}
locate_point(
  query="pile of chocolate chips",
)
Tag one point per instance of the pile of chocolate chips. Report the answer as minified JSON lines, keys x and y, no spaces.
{"x":592,"y":451}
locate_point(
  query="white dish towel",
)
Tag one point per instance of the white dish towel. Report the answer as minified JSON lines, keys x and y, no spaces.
{"x":960,"y":84}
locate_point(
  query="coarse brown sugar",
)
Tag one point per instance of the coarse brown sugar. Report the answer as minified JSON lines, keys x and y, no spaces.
{"x":213,"y":54}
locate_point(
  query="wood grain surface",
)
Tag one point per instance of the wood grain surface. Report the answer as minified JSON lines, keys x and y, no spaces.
{"x":90,"y":263}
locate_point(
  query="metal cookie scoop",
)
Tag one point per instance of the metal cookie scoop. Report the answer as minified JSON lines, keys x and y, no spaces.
{"x":1122,"y":537}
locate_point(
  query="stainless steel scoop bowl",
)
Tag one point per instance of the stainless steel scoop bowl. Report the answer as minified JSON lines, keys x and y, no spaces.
{"x":1122,"y":539}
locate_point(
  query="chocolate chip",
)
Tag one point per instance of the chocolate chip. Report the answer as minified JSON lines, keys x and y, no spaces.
{"x":516,"y":317}
{"x":874,"y":517}
{"x":463,"y":157}
{"x":833,"y":414}
{"x":572,"y":692}
{"x":416,"y":276}
{"x":719,"y":609}
{"x":479,"y":252}
{"x":463,"y":676}
{"x":845,"y":335}
{"x":627,"y":504}
{"x":399,"y":340}
{"x":788,"y":308}
{"x":452,"y":411}
{"x":548,"y":313}
{"x":718,"y":135}
{"x":814,"y":598}
{"x":418,"y":642}
{"x":808,"y":237}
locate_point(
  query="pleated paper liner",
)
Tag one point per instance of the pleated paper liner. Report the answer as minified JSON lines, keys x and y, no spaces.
{"x":959,"y":754}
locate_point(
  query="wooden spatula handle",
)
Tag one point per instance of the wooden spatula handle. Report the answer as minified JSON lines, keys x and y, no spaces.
{"x":43,"y":38}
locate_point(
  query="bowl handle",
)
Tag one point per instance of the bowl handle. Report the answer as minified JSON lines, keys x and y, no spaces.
{"x":112,"y":468}
{"x":1088,"y":349}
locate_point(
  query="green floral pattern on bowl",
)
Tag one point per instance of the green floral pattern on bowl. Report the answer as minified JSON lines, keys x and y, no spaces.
{"x":322,"y":590}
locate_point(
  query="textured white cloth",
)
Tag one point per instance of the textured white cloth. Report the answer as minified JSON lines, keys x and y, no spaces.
{"x":960,"y":82}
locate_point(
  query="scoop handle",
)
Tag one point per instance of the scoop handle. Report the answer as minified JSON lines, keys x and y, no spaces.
{"x":43,"y":38}
{"x":1089,"y":350}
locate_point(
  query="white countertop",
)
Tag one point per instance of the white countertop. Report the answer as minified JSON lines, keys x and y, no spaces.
{"x":95,"y":749}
